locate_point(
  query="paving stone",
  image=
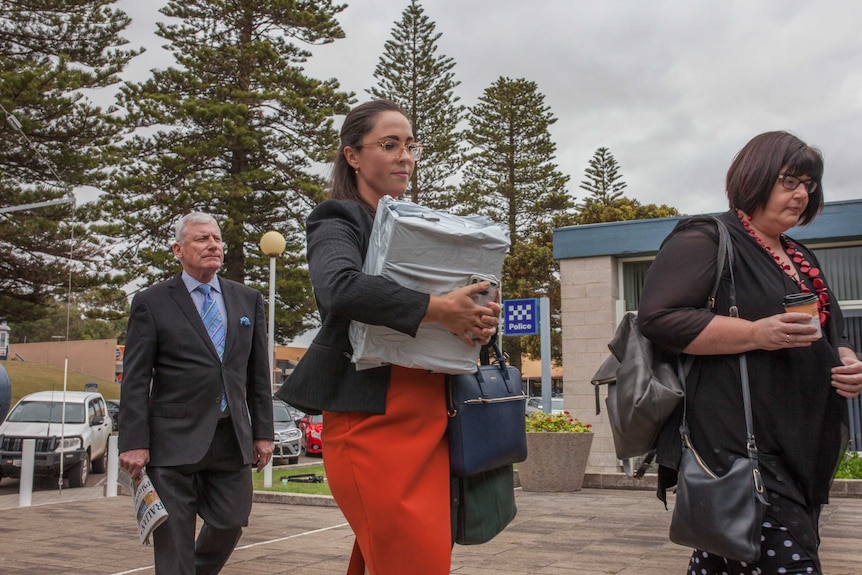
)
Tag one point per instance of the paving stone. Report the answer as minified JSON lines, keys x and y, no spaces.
{"x":589,"y":532}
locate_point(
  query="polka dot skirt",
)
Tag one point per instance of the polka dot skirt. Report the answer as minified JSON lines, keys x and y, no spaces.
{"x":780,"y":553}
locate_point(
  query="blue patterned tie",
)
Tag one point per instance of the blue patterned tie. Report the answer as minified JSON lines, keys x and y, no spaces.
{"x":214,"y":324}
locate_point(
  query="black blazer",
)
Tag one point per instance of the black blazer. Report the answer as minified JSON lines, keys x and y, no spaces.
{"x":173,"y":379}
{"x":325,"y":379}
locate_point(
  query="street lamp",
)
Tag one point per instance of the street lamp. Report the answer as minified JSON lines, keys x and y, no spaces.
{"x":272,"y":244}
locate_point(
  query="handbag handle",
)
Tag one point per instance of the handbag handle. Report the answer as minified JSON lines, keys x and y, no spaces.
{"x":485,"y":359}
{"x":485,"y":353}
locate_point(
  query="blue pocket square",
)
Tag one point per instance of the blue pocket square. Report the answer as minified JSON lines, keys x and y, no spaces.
{"x":244,"y":321}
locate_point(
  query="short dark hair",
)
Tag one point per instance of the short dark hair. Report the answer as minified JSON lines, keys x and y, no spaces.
{"x":358,"y":123}
{"x":756,"y":167}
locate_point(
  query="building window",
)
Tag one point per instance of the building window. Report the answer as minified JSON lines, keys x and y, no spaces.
{"x":843,"y":269}
{"x":633,"y":274}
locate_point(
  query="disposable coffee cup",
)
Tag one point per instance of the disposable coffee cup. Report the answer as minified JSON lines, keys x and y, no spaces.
{"x":804,"y":303}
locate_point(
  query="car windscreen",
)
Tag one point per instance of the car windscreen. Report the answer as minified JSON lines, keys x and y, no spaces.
{"x":280,"y":414}
{"x":46,"y":412}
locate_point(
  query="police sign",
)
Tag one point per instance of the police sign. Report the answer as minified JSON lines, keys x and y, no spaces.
{"x":521,"y":316}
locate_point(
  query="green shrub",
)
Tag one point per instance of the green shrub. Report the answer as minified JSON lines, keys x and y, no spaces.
{"x":557,"y":422}
{"x":850,"y":466}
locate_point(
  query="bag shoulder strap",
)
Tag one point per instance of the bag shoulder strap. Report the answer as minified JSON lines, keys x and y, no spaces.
{"x":725,"y":249}
{"x":724,"y":258}
{"x":733,"y":311}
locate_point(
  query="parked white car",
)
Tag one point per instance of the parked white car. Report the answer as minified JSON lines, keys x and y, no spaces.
{"x":287,"y":435}
{"x":80,"y":438}
{"x":535,"y":404}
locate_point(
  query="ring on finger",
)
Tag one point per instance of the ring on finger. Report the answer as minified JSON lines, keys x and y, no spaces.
{"x":786,"y":338}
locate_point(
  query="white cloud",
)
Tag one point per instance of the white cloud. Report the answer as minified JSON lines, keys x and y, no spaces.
{"x":673,"y":88}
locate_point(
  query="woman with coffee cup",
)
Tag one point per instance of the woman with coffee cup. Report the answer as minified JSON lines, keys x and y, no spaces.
{"x":801,"y":364}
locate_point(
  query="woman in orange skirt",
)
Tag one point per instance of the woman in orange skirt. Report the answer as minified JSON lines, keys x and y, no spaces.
{"x":386,"y":451}
{"x":390,"y":475}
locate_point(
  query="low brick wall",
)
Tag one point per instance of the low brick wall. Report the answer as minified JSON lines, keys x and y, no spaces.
{"x":846,"y":488}
{"x":840,"y":487}
{"x":294,"y":499}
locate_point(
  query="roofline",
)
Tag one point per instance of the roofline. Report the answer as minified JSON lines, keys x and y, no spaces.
{"x":839,"y":221}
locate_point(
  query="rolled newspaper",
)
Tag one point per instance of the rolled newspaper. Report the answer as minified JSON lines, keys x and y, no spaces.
{"x":150,"y":512}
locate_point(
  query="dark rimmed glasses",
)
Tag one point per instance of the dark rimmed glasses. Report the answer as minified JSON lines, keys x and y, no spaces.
{"x":792,"y":182}
{"x":392,"y":148}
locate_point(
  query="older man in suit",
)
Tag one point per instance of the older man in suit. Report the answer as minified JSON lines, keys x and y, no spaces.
{"x":196,"y":401}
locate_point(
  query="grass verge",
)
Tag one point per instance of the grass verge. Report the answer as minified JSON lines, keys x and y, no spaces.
{"x":294,"y":486}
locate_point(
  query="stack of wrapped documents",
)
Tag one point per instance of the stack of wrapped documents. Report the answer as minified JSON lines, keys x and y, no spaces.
{"x":433,"y":252}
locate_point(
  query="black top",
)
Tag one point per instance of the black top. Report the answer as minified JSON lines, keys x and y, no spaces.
{"x":800,"y":422}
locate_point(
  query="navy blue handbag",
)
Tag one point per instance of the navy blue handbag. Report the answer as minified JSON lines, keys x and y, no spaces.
{"x":487,"y":427}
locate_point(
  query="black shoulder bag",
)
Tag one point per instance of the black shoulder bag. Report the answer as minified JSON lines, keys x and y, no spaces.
{"x":721,"y":515}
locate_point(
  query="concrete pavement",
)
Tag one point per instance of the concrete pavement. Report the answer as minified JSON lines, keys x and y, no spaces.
{"x":590,"y":532}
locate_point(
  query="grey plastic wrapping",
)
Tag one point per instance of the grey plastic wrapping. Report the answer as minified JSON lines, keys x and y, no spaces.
{"x":432,"y":252}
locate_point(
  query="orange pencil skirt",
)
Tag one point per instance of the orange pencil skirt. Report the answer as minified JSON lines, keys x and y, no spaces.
{"x":389,"y":475}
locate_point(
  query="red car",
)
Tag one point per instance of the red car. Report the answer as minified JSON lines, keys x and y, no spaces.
{"x":312,"y":427}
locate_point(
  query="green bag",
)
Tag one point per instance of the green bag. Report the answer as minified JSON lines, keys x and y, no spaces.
{"x":482,"y":505}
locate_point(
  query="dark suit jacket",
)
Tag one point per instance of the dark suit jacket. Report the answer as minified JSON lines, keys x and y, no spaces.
{"x":325,"y":379}
{"x":173,"y":379}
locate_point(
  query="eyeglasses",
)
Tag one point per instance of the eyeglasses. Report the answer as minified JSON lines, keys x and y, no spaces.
{"x":792,"y":182}
{"x":393,"y":148}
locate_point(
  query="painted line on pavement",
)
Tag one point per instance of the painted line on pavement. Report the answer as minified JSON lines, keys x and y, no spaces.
{"x":250,"y":545}
{"x":321,"y":530}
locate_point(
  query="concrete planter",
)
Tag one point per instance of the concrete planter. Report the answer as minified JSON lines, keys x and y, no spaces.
{"x":555,"y":461}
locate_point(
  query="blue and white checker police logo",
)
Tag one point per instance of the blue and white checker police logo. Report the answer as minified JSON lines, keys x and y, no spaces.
{"x":523,"y":312}
{"x":521,"y":316}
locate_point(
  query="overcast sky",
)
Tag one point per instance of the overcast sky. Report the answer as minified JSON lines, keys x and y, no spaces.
{"x":673,"y":88}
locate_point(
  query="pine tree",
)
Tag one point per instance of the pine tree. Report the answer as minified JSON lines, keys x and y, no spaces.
{"x":411,"y":73}
{"x":52,"y":53}
{"x":603,"y":179}
{"x":235,"y":130}
{"x":606,"y":202}
{"x":512,"y":178}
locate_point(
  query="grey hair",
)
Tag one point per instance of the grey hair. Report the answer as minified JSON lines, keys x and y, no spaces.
{"x":191,"y":218}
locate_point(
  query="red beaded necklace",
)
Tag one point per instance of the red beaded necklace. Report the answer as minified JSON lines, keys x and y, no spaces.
{"x":804,"y":267}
